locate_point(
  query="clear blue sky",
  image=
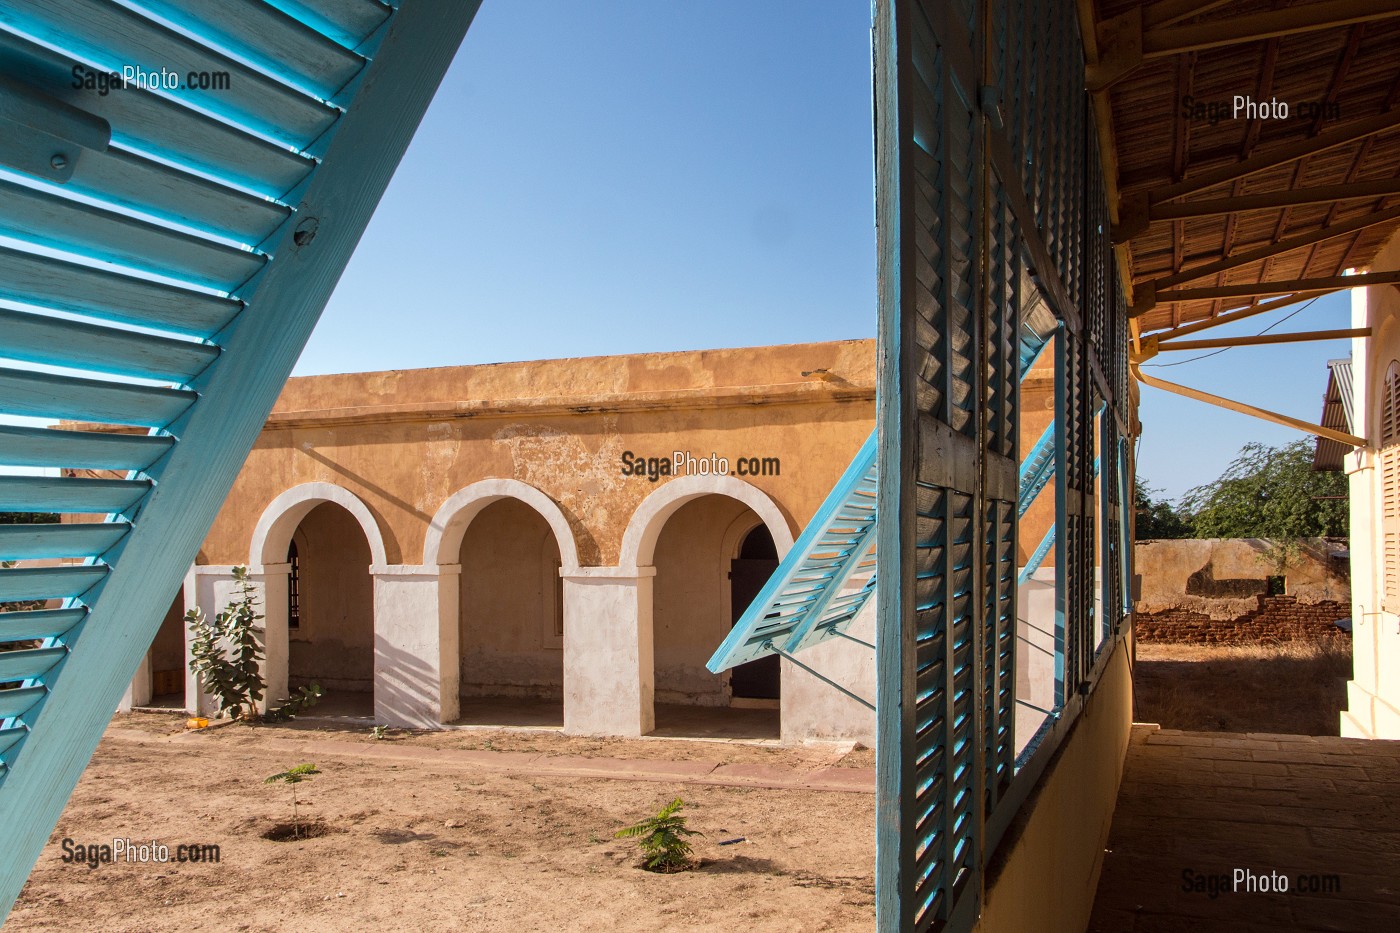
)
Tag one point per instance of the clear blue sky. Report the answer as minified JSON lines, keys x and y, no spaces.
{"x":620,"y":177}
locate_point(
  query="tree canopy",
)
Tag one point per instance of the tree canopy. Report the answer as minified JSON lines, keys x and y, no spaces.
{"x":1157,"y":518}
{"x":1270,"y":492}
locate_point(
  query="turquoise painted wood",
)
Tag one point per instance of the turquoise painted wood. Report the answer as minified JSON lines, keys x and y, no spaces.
{"x":133,"y":181}
{"x":67,"y":286}
{"x":40,"y":541}
{"x":28,"y":664}
{"x":39,"y":623}
{"x":62,"y":494}
{"x":1037,"y":469}
{"x":57,"y":341}
{"x":9,"y":737}
{"x":40,"y":447}
{"x":346,"y":21}
{"x":114,"y":37}
{"x":278,"y":44}
{"x":49,"y":582}
{"x":50,"y":220}
{"x":44,"y":395}
{"x":146,"y":122}
{"x":256,"y":310}
{"x":813,"y":571}
{"x":17,"y":702}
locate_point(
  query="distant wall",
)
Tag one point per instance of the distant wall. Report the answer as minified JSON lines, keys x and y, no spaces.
{"x":1217,"y":590}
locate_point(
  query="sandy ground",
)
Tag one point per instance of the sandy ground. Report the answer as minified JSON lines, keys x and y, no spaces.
{"x":1288,"y":687}
{"x":415,"y":847}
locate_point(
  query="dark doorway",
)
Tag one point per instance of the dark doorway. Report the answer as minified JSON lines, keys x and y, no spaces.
{"x":758,"y":558}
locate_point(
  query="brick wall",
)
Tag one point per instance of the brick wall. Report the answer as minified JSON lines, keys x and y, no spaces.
{"x":1276,"y":618}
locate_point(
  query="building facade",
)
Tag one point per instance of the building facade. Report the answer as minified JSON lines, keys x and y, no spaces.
{"x":1373,"y":694}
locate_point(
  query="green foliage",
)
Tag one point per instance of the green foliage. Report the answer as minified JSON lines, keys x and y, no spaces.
{"x":663,"y":839}
{"x":299,"y":702}
{"x":1156,"y":518}
{"x":293,"y":776}
{"x":381,"y":732}
{"x":225,"y":654}
{"x":1271,"y":492}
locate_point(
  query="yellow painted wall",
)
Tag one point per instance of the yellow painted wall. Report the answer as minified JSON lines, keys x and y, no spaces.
{"x":691,"y":613}
{"x":1045,"y":874}
{"x":509,"y":592}
{"x":334,"y":645}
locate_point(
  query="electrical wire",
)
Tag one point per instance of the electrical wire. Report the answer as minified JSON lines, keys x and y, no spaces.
{"x":1203,"y":356}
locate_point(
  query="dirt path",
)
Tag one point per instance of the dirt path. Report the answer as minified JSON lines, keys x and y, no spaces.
{"x":424,"y":838}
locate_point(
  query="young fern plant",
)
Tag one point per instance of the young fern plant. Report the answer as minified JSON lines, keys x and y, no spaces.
{"x":663,"y":839}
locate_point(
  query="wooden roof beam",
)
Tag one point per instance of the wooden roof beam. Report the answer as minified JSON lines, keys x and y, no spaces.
{"x":1134,"y":210}
{"x":1246,"y":409}
{"x":1127,"y":40}
{"x":1171,"y":12}
{"x":1278,"y":246}
{"x":1155,"y":344}
{"x":1281,"y":287}
{"x":1323,"y":194}
{"x":1237,"y":315}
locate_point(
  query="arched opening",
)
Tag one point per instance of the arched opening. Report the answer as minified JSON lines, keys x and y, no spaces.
{"x":511,"y":618}
{"x":712,"y":556}
{"x":330,"y":636}
{"x":758,"y":558}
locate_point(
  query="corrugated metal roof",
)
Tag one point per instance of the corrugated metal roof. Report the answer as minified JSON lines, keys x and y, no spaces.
{"x":1336,"y":413}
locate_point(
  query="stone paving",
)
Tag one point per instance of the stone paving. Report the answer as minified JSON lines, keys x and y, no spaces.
{"x":1319,"y":814}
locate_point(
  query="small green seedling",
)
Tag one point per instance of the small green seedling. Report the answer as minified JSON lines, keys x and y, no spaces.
{"x":663,"y":839}
{"x":381,"y":732}
{"x":294,"y":776}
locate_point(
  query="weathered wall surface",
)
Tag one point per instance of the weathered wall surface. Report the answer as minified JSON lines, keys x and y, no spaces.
{"x":691,"y":594}
{"x":1275,"y":618}
{"x":334,"y":644}
{"x":1217,"y":590}
{"x":509,"y":605}
{"x":405,"y":441}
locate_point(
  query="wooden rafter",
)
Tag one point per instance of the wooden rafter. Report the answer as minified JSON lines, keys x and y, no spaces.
{"x":1289,"y":287}
{"x":1276,"y":247}
{"x":1237,"y":315}
{"x":1252,"y":27}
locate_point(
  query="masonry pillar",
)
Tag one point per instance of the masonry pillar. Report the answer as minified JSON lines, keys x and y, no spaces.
{"x":213,"y":588}
{"x":813,"y":711}
{"x":271,"y":584}
{"x":609,"y":679}
{"x":415,"y":645}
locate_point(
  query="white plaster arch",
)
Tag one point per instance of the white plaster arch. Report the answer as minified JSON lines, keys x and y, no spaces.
{"x":449,"y":525}
{"x":280,"y":519}
{"x":643,"y":530}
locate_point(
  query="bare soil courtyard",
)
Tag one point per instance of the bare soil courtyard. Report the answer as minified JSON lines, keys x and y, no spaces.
{"x":465,"y":830}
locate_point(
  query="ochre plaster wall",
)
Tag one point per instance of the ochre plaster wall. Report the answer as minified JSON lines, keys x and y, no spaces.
{"x":509,"y":599}
{"x":691,"y":613}
{"x":334,"y":645}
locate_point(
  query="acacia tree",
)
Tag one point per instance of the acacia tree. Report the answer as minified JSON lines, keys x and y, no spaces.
{"x":1272,"y":493}
{"x":1155,"y":518}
